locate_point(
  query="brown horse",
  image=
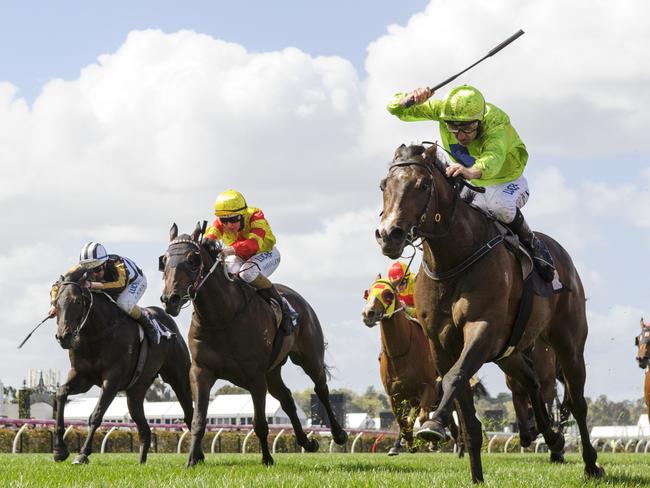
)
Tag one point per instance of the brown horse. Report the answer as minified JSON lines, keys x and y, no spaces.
{"x":231,"y":337}
{"x":406,"y":365}
{"x":643,"y":358}
{"x":104,"y":345}
{"x":467,"y":301}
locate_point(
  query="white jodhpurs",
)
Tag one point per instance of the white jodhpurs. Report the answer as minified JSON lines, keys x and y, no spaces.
{"x":502,"y":201}
{"x":264,"y":262}
{"x":131,"y":294}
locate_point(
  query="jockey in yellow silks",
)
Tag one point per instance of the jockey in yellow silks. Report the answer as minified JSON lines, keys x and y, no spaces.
{"x":248,"y":246}
{"x":404,"y":282}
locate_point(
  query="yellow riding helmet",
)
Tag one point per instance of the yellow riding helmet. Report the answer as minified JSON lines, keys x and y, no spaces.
{"x":463,"y":104}
{"x":229,"y":202}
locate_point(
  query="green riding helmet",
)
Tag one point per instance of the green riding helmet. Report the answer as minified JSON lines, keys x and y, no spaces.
{"x":463,"y":104}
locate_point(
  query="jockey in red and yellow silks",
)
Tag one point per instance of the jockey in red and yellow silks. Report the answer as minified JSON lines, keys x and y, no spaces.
{"x":407,"y":287}
{"x":248,"y":247}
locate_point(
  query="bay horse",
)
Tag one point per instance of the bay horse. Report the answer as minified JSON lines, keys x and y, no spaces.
{"x":406,"y":365}
{"x":231,"y":337}
{"x":104,"y":350}
{"x":642,"y":341}
{"x":468,"y":293}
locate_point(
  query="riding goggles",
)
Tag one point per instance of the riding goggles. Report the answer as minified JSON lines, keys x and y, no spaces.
{"x":465,"y":127}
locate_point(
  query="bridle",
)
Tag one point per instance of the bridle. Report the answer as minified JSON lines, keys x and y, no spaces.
{"x":80,"y":326}
{"x":643,"y":339}
{"x":198,"y":280}
{"x":416,"y":232}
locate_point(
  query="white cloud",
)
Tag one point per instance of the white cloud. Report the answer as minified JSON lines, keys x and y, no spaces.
{"x":151,"y":133}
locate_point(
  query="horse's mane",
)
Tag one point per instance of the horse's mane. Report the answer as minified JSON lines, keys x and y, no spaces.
{"x":431,"y":157}
{"x":75,"y":274}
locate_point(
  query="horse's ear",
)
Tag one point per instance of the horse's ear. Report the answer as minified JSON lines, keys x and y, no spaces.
{"x":378,"y":276}
{"x":642,"y":324}
{"x":431,"y":150}
{"x":400,"y":151}
{"x":197,"y":232}
{"x":173,"y":232}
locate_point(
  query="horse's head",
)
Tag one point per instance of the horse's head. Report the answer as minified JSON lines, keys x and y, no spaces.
{"x":409,"y":191}
{"x":642,"y":341}
{"x":73,"y":303}
{"x":184,"y":266}
{"x":381,"y":299}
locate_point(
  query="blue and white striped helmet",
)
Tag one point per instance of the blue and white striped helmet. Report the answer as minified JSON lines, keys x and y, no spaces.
{"x":92,"y":255}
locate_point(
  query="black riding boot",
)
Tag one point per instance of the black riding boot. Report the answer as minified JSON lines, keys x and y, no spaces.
{"x":541,"y":255}
{"x":272,"y":292}
{"x":149,"y":329}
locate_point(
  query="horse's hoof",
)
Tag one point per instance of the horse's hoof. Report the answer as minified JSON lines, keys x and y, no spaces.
{"x":431,"y":432}
{"x":61,"y":455}
{"x":525,"y":441}
{"x":81,"y":459}
{"x":194,"y":460}
{"x":557,"y":457}
{"x":340,"y":437}
{"x":393,"y":451}
{"x":312,"y":445}
{"x":595,"y":471}
{"x":558,"y":444}
{"x":267,"y":461}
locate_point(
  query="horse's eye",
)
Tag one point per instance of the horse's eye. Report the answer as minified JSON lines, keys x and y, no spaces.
{"x":382,"y":184}
{"x":194,"y":258}
{"x":423,"y":185}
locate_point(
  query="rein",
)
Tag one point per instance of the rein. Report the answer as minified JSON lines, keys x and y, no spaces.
{"x":199,"y":281}
{"x":416,"y":232}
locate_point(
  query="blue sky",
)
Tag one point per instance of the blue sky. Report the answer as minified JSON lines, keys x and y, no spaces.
{"x":44,"y":40}
{"x":117,"y":120}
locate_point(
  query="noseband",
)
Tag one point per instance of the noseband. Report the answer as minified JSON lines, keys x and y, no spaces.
{"x":77,"y":330}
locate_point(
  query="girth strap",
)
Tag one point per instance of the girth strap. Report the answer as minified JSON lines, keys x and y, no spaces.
{"x":523,"y":314}
{"x":456,"y":270}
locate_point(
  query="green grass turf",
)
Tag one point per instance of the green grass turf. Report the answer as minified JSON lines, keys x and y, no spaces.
{"x":315,"y":470}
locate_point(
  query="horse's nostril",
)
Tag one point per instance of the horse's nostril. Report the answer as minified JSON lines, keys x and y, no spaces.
{"x":163,"y":299}
{"x":377,"y":234}
{"x":396,"y":234}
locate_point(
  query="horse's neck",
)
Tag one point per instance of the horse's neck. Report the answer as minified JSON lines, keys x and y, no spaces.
{"x":395,"y":333}
{"x":462,"y":229}
{"x":219,"y":299}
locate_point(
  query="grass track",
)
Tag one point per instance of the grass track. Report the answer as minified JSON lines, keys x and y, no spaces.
{"x":315,"y":470}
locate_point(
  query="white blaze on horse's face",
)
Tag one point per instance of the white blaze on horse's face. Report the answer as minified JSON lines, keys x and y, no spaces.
{"x":405,"y":194}
{"x":372,"y":311}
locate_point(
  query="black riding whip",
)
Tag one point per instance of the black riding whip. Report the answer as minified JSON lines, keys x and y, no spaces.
{"x":33,"y":330}
{"x":410,"y":100}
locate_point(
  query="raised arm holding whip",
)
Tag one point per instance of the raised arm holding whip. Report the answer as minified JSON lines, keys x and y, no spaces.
{"x":485,"y":149}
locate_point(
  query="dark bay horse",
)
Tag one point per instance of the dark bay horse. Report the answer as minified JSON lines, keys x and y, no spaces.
{"x":104,"y":346}
{"x":406,"y":365}
{"x":231,"y":336}
{"x":468,"y":292}
{"x":642,"y":342}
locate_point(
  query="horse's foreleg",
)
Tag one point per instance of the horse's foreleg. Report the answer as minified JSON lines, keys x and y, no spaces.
{"x":134,"y":400}
{"x":472,"y":430}
{"x":519,"y":367}
{"x":279,"y":390}
{"x":75,"y":384}
{"x":201,"y":380}
{"x":106,"y":396}
{"x":258,"y":393}
{"x":520,"y":402}
{"x":476,"y":351}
